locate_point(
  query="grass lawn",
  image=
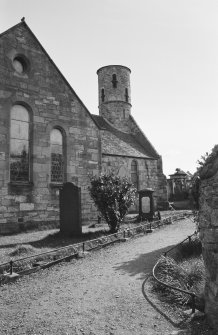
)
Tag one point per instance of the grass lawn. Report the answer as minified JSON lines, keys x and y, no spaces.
{"x":42,"y":241}
{"x":35,"y":242}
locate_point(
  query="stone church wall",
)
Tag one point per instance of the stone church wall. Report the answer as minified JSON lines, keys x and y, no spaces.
{"x":148,"y":176}
{"x":51,"y":103}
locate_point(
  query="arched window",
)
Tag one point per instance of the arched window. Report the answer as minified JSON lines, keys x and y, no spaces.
{"x":57,"y":159}
{"x":134,"y":173}
{"x":19,"y":145}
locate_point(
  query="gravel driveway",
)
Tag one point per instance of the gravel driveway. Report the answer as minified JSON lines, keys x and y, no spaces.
{"x":100,"y":294}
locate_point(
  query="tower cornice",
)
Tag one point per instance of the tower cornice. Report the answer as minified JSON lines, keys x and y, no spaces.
{"x":103,"y":67}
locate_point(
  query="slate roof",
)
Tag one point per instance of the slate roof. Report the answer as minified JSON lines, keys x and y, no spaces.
{"x":117,"y":143}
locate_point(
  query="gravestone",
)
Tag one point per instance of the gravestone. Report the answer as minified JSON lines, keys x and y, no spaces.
{"x":146,"y":204}
{"x":70,"y":210}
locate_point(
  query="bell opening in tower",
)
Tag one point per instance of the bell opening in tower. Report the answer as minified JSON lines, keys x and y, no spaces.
{"x":114,"y":80}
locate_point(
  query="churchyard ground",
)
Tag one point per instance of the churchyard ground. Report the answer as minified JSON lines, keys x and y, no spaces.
{"x":99,"y":294}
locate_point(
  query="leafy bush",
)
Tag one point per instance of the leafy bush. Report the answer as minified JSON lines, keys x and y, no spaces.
{"x":112,"y":196}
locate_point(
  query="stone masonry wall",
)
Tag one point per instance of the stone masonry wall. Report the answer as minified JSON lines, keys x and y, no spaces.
{"x":51,"y":103}
{"x":117,"y":113}
{"x":208,"y":224}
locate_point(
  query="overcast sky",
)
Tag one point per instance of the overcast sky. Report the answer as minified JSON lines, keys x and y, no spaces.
{"x":171,"y":46}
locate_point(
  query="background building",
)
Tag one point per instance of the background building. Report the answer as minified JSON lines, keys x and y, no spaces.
{"x":179,"y":185}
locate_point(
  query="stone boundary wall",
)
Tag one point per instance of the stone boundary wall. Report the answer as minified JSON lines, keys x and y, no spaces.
{"x":208,"y":225}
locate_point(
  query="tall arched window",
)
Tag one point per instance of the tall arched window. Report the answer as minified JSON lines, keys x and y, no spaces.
{"x":134,"y":173}
{"x":19,"y":145}
{"x":57,"y":159}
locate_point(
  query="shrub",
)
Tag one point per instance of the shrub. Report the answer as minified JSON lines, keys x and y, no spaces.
{"x":194,"y":267}
{"x":170,"y":273}
{"x":112,"y":196}
{"x":187,"y":249}
{"x":188,"y":275}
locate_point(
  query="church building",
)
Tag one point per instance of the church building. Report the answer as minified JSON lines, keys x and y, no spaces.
{"x":48,"y":136}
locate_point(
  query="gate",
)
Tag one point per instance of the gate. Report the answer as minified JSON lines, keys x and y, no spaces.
{"x":70,"y":210}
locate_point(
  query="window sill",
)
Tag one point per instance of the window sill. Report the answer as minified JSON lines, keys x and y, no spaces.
{"x":20,"y":187}
{"x":20,"y":184}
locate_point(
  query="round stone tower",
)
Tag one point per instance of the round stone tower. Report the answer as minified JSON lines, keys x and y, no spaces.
{"x":114,"y":95}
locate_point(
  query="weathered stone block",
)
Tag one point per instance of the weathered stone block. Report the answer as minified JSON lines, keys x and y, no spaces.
{"x":43,"y":191}
{"x":20,"y":198}
{"x":39,"y":119}
{"x":8,"y":215}
{"x":2,"y":156}
{"x":26,"y":206}
{"x":13,"y":209}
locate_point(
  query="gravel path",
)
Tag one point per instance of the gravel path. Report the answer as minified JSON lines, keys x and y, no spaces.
{"x":100,"y":294}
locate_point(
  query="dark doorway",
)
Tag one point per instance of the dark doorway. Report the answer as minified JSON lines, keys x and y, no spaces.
{"x":70,"y":210}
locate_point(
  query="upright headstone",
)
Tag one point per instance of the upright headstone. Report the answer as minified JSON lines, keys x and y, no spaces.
{"x":146,"y":204}
{"x":70,"y":210}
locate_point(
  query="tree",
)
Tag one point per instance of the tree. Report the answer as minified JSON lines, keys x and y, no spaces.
{"x":112,"y":196}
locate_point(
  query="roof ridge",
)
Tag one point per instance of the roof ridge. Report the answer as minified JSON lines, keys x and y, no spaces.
{"x":145,"y":137}
{"x":13,"y":27}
